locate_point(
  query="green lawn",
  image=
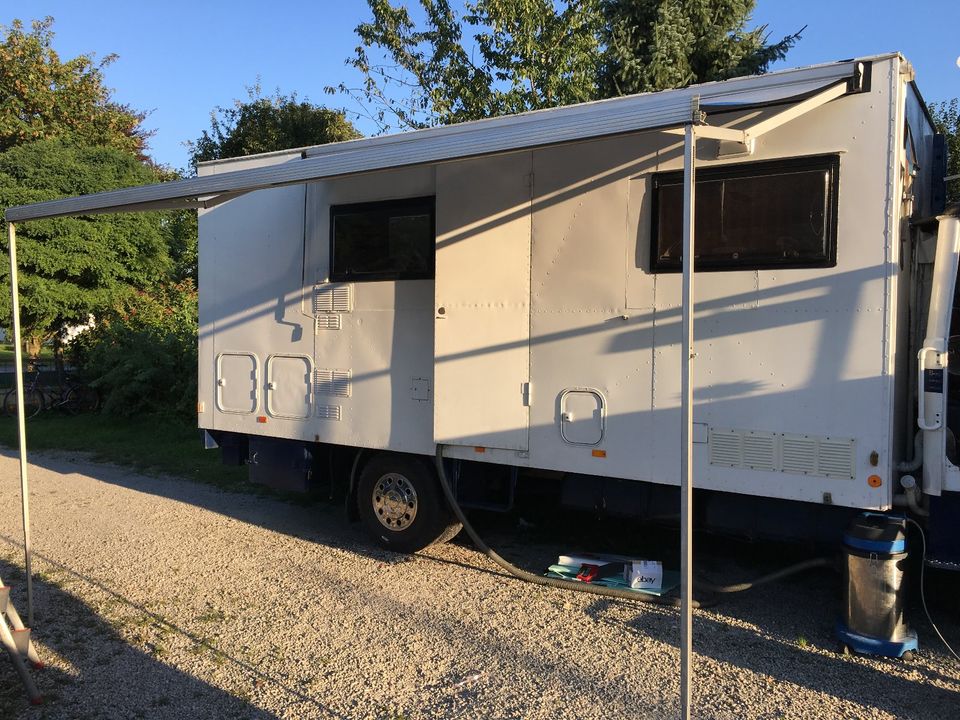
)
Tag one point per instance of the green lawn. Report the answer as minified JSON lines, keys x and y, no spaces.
{"x":151,"y":444}
{"x":6,"y":354}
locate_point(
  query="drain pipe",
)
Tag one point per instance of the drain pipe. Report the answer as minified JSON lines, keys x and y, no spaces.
{"x":910,"y":497}
{"x":909,"y":466}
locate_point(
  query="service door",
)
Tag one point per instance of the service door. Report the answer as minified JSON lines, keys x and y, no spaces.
{"x":482,"y":302}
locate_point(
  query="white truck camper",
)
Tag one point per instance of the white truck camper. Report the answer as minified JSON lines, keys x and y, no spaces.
{"x":510,"y":290}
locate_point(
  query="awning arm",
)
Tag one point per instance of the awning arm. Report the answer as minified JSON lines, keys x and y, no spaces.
{"x":745,"y":138}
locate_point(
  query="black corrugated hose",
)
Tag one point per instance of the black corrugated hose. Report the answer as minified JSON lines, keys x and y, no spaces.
{"x":618,"y":593}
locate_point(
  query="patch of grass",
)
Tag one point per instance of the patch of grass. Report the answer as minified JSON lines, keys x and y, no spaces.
{"x":212,"y":615}
{"x":152,"y":444}
{"x":802,"y":641}
{"x":7,"y":354}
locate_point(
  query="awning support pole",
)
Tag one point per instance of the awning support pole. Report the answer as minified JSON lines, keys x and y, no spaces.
{"x":686,"y":421}
{"x":21,"y":419}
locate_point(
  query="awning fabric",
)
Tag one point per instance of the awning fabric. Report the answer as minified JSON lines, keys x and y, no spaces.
{"x":495,"y":135}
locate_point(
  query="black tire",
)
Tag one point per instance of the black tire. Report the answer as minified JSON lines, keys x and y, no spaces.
{"x":396,"y":518}
{"x":32,"y":406}
{"x":81,"y":399}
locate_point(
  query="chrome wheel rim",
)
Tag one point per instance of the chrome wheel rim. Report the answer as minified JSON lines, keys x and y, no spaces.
{"x":394,"y":502}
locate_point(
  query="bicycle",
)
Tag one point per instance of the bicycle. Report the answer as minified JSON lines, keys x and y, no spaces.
{"x":73,"y":397}
{"x":33,"y":401}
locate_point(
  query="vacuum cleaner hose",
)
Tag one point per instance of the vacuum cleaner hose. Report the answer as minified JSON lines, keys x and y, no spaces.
{"x":618,"y":593}
{"x":529,"y":577}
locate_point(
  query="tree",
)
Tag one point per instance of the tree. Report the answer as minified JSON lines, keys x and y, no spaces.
{"x":542,"y":53}
{"x":652,"y":45}
{"x":532,"y":54}
{"x":142,"y":355}
{"x":73,"y":267}
{"x":44,"y":97}
{"x":263,"y":124}
{"x":946,"y":116}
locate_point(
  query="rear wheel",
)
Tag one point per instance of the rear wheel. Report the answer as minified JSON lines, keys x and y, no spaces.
{"x":401,"y":504}
{"x":33,"y":402}
{"x":81,"y":399}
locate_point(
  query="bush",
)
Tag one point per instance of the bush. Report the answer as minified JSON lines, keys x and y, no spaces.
{"x":142,"y":355}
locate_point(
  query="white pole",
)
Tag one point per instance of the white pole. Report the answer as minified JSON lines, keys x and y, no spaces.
{"x":21,"y":420}
{"x":686,"y":423}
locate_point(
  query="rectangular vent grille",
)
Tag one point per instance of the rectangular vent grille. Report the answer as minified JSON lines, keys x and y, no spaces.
{"x":777,"y":452}
{"x":328,"y":321}
{"x":332,"y":299}
{"x":760,"y":451}
{"x":835,"y":459}
{"x":333,"y":382}
{"x":799,"y":455}
{"x":328,"y":412}
{"x":726,"y":448}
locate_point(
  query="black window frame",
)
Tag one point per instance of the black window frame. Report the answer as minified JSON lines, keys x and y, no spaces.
{"x":829,"y":163}
{"x":400,"y":206}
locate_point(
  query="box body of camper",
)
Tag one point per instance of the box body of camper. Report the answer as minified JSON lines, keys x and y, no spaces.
{"x":521,"y":305}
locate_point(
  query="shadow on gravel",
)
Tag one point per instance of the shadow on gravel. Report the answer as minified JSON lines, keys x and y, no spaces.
{"x":128,"y":683}
{"x":320,"y":522}
{"x":122,"y":682}
{"x":791,"y":641}
{"x":784,"y":631}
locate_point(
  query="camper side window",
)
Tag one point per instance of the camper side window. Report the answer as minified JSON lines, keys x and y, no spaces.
{"x":751,"y":216}
{"x":389,"y":240}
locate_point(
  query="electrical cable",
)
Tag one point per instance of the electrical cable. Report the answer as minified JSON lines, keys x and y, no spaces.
{"x":599,"y":589}
{"x":923,"y":597}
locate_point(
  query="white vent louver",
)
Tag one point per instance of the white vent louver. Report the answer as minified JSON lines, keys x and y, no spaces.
{"x":333,"y":382}
{"x":332,"y":299}
{"x":726,"y":448}
{"x":772,"y":452}
{"x":835,"y":458}
{"x":799,"y":455}
{"x":760,"y":451}
{"x":328,"y":412}
{"x":328,"y":321}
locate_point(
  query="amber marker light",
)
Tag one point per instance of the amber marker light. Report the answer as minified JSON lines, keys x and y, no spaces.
{"x":261,"y":418}
{"x":599,"y":453}
{"x":874,"y":481}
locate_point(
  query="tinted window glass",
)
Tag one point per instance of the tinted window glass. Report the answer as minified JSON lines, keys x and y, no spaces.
{"x":391,"y":240}
{"x":758,"y":215}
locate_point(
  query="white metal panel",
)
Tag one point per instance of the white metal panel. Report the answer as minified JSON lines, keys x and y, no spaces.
{"x":482,"y":328}
{"x":384,"y":342}
{"x":251,"y":279}
{"x":290,"y":386}
{"x":582,"y":416}
{"x":238,"y":383}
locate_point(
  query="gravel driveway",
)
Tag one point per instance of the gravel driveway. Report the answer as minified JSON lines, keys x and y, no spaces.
{"x":162,"y":598}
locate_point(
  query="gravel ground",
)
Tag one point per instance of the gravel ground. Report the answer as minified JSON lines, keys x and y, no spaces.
{"x":162,"y":598}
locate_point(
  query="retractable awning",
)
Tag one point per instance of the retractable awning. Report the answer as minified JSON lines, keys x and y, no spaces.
{"x":676,"y":111}
{"x":634,"y":113}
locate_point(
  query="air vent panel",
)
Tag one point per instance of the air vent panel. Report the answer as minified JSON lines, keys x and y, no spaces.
{"x":328,"y":412}
{"x":332,"y":298}
{"x":778,"y":452}
{"x":333,"y":382}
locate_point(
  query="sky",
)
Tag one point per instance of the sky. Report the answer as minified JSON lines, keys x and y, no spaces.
{"x":179,"y":60}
